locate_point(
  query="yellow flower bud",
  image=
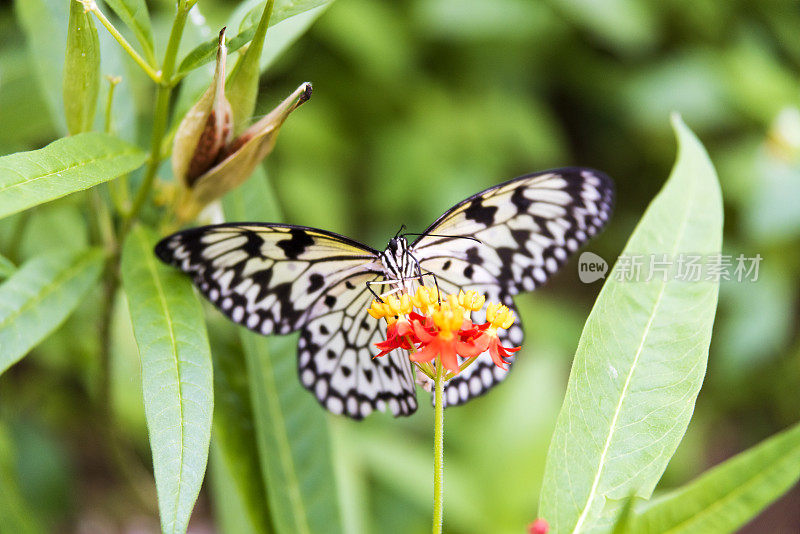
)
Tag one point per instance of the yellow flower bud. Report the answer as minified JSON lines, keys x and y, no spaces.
{"x":376,"y":310}
{"x":448,"y":319}
{"x":471,"y":300}
{"x":499,"y":316}
{"x":426,"y":299}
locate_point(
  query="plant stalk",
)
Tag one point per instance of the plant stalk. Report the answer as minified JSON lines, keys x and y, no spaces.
{"x":438,"y":448}
{"x":160,"y":117}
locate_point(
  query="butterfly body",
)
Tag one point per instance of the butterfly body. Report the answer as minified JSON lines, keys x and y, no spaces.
{"x":278,"y":278}
{"x":399,"y":266}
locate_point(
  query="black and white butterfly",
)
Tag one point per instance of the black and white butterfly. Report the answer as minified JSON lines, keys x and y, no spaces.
{"x":279,"y":278}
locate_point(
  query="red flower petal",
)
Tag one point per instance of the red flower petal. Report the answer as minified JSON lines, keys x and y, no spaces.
{"x":447,"y":351}
{"x":425,"y":354}
{"x":499,"y":353}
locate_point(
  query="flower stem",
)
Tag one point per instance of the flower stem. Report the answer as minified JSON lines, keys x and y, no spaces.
{"x":438,"y":448}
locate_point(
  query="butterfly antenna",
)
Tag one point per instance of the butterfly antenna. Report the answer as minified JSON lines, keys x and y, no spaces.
{"x":449,"y":236}
{"x":402,"y":227}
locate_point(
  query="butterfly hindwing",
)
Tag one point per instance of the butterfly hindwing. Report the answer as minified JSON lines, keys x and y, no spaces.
{"x":336,"y":358}
{"x":275,"y":278}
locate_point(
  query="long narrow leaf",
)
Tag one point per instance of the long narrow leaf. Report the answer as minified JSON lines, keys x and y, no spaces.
{"x":641,"y":358}
{"x":64,"y":166}
{"x":240,"y":500}
{"x":81,"y":70}
{"x":291,"y":428}
{"x":176,"y":376}
{"x":284,"y":9}
{"x":727,"y":496}
{"x":40,"y":296}
{"x":232,"y":512}
{"x":293,"y":440}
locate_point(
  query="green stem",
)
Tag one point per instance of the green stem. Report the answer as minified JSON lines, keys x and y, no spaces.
{"x":461,"y":367}
{"x":160,"y":116}
{"x":438,"y":448}
{"x":91,"y":5}
{"x":113,"y":81}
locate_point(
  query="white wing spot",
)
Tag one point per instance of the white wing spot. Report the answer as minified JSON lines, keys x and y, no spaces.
{"x":334,"y":405}
{"x":308,"y":377}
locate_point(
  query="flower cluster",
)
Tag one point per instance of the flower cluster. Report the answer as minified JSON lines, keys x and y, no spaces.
{"x":430,"y":324}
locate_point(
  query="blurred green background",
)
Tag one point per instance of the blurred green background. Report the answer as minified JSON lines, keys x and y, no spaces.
{"x":416,"y":105}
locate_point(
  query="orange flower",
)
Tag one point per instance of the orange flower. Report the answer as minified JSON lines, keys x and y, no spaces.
{"x":498,"y":316}
{"x":445,"y":344}
{"x":431,"y":325}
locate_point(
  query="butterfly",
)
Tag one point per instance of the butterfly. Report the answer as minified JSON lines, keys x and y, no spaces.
{"x":280,"y":278}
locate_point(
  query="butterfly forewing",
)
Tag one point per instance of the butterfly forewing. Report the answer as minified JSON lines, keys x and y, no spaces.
{"x":526,"y":228}
{"x":508,"y":239}
{"x":279,"y":278}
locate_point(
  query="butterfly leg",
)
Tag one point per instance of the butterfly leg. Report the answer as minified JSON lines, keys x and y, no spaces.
{"x":420,"y":274}
{"x":383,"y":283}
{"x":400,"y":286}
{"x":369,"y":286}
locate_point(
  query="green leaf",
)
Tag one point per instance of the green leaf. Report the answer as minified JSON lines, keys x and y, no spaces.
{"x":641,"y":358}
{"x":291,"y":428}
{"x":64,"y":166}
{"x":240,"y":501}
{"x":293,"y":439}
{"x":727,"y":496}
{"x":284,"y":9}
{"x":40,"y":296}
{"x":176,"y":375}
{"x":81,"y":70}
{"x":134,"y":15}
{"x":7,"y":268}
